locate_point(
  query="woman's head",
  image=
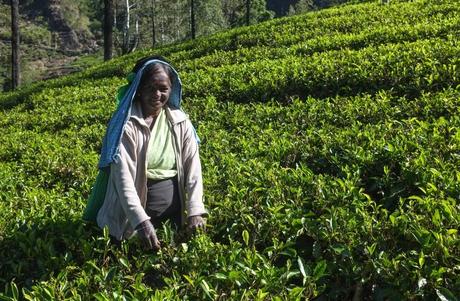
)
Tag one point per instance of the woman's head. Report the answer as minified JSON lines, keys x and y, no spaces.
{"x":155,"y":85}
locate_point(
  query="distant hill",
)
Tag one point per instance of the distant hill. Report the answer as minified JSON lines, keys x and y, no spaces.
{"x":52,"y":37}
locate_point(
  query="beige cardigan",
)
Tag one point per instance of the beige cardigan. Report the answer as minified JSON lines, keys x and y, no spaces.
{"x":126,"y":196}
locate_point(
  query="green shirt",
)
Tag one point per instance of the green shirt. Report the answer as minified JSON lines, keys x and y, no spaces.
{"x":161,"y":159}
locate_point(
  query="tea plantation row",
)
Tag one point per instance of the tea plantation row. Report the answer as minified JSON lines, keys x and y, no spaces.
{"x":330,"y":149}
{"x":353,"y":27}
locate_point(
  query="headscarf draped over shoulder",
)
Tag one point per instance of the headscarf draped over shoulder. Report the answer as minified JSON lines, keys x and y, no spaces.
{"x":115,"y":128}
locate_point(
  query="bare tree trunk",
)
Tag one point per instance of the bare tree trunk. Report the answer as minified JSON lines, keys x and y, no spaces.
{"x":115,"y":14}
{"x":136,"y":36}
{"x":154,"y":39}
{"x":192,"y":18}
{"x":15,"y":72}
{"x":108,"y":29}
{"x":248,"y":12}
{"x":177,"y":20}
{"x":125,"y":47}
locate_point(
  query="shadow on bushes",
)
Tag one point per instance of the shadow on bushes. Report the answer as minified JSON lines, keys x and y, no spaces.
{"x":36,"y":252}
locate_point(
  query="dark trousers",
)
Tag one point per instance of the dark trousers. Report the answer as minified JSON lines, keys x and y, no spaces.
{"x":163,"y":202}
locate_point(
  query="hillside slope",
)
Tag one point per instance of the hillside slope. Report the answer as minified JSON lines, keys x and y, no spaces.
{"x":330,"y":151}
{"x":32,"y":33}
{"x":43,"y":53}
{"x":53,"y":34}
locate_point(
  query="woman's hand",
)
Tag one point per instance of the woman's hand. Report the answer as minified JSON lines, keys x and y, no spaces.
{"x":195,"y":223}
{"x":148,"y":235}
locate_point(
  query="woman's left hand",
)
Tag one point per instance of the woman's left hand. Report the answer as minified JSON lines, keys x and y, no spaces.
{"x":195,"y":223}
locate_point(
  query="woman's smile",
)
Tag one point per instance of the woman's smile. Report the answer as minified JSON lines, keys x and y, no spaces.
{"x":155,"y":94}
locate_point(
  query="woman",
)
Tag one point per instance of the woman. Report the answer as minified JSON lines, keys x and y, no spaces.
{"x":151,"y":149}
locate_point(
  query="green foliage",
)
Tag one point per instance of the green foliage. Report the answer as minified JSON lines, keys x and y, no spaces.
{"x":301,"y":6}
{"x":210,"y":17}
{"x":330,"y":152}
{"x":235,"y":12}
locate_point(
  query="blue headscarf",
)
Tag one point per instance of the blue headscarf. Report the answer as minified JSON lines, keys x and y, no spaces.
{"x":115,"y":128}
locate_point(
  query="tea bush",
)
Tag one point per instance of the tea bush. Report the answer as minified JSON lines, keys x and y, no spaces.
{"x":330,"y":152}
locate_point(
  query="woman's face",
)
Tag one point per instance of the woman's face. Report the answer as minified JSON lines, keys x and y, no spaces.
{"x":154,"y":93}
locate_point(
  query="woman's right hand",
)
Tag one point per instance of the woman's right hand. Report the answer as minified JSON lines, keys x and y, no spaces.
{"x":147,"y":233}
